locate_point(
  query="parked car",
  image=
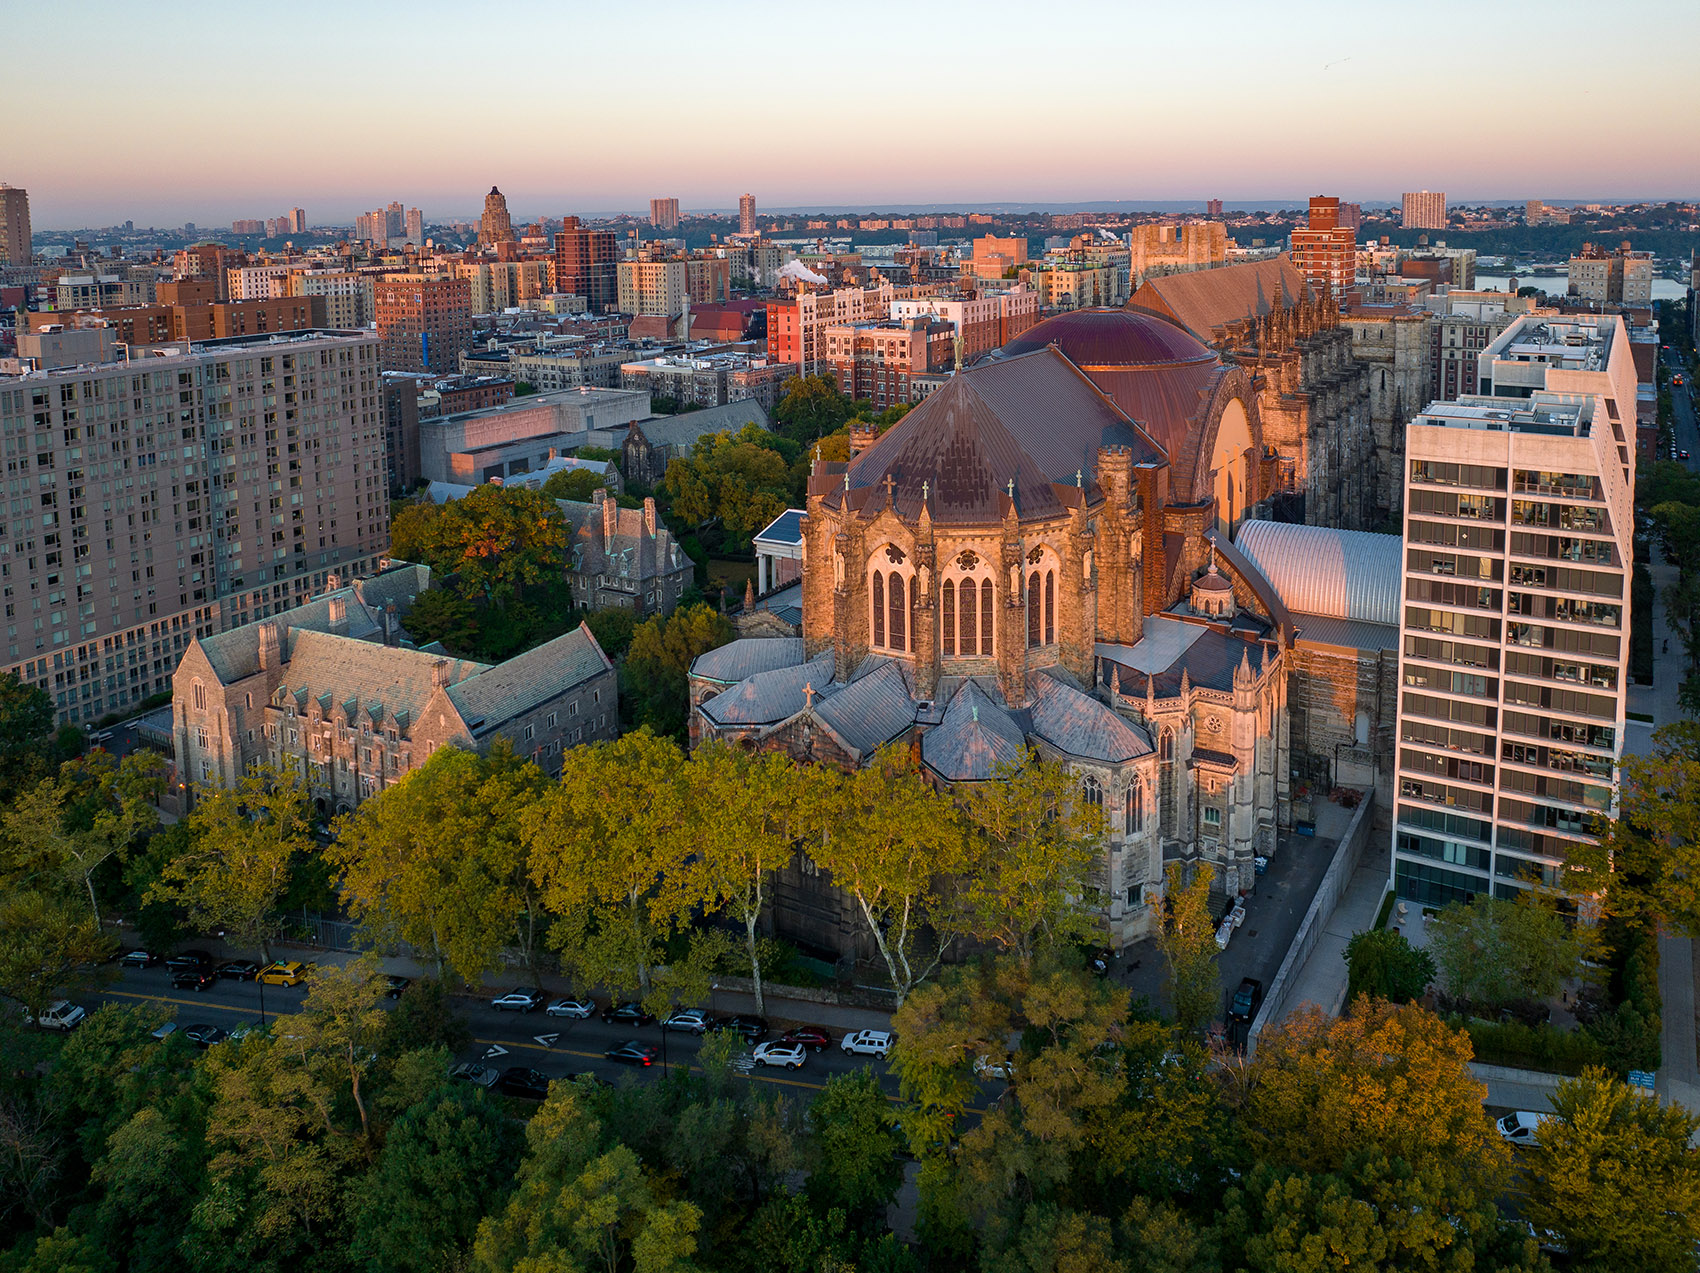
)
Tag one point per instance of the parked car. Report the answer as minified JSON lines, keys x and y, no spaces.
{"x":577,"y":1009}
{"x":239,"y":970}
{"x":393,"y":986}
{"x":59,"y":1015}
{"x":203,"y":1035}
{"x":1098,"y":962}
{"x":196,"y":979}
{"x":139,"y":959}
{"x":163,"y":1032}
{"x":474,"y":1073}
{"x":868,"y":1042}
{"x":689,"y":1021}
{"x":519,"y":999}
{"x":1522,"y":1128}
{"x":627,"y":1014}
{"x":288,"y":972}
{"x":789,"y":1055}
{"x":1682,"y":455}
{"x":631,"y":1052}
{"x":189,"y":960}
{"x":751,"y":1027}
{"x":518,"y":1080}
{"x":1247,"y":999}
{"x":238,"y":1033}
{"x":813,"y":1037}
{"x":991,"y":1067}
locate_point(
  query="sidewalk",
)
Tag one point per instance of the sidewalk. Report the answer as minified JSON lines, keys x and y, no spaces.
{"x":1322,"y":979}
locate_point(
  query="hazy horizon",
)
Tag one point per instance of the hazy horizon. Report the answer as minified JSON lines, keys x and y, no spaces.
{"x":339,"y":113}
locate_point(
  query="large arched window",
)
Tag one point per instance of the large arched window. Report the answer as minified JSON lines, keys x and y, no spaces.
{"x":947,"y":615}
{"x":970,"y":628}
{"x":985,"y":616}
{"x":890,"y":593}
{"x":200,"y":697}
{"x":898,"y":627}
{"x":879,"y":609}
{"x":1050,"y":607}
{"x":1135,"y":819}
{"x":1091,"y":792}
{"x":1035,"y":619}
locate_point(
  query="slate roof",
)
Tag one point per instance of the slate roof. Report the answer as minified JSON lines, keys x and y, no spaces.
{"x":1351,"y":634}
{"x":745,"y":657}
{"x":1035,"y":420}
{"x":770,"y":697}
{"x":1080,"y":725}
{"x":1344,"y":574}
{"x":1203,"y":301}
{"x":1209,"y":663}
{"x":870,"y":711}
{"x":975,"y":738}
{"x":682,"y":431}
{"x":388,"y":678}
{"x":492,"y":697}
{"x":632,"y":552}
{"x":235,"y":655}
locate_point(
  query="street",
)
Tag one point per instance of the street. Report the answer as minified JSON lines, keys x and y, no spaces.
{"x":579,"y":1047}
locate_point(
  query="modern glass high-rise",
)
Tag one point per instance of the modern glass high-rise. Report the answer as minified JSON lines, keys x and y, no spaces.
{"x":1518,"y":544}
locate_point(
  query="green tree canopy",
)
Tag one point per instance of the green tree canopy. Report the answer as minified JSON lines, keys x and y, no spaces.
{"x":1494,"y":952}
{"x":1382,"y":964}
{"x":1187,"y":941}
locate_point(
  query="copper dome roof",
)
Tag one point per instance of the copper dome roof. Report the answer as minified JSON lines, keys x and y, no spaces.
{"x":1093,"y":338}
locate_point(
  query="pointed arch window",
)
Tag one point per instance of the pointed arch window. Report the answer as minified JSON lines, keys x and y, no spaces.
{"x":1050,"y":607}
{"x":1135,"y":821}
{"x":898,"y":627}
{"x":200,"y":696}
{"x":947,"y":611}
{"x":1034,"y":619}
{"x":879,"y":608}
{"x":1091,"y":792}
{"x":985,"y":616}
{"x":970,"y":626}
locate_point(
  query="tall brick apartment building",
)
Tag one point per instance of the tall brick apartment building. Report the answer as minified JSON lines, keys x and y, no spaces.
{"x":424,"y":321}
{"x":587,"y":264}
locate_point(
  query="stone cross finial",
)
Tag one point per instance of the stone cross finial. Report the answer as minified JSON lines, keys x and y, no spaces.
{"x":808,"y":695}
{"x":926,"y":488}
{"x":975,"y":710}
{"x":846,"y":479}
{"x":1012,"y":488}
{"x":1080,"y":478}
{"x":890,"y":485}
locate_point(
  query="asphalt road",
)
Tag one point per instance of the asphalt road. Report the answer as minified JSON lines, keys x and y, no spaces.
{"x":579,"y":1046}
{"x":1684,"y":430}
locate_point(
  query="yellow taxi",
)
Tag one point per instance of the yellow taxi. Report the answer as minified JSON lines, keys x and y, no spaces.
{"x":283,"y":974}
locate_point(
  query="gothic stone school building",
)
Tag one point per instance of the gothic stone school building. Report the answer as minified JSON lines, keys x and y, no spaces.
{"x":1041,"y":553}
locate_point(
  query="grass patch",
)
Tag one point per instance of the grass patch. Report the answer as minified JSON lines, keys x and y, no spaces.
{"x":1386,"y":910}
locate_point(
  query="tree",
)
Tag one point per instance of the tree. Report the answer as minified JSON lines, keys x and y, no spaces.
{"x":335,"y":1035}
{"x":602,"y":843}
{"x":247,"y":840}
{"x":853,"y":1162}
{"x":1034,"y":840}
{"x":495,"y":541}
{"x":440,"y":614}
{"x":437,"y":860}
{"x":747,"y":815}
{"x":1382,"y":964}
{"x":149,"y":1179}
{"x":1390,"y":1078}
{"x":1615,"y":1174}
{"x":892,"y":843}
{"x":1649,"y":857}
{"x":740,"y":480}
{"x":1188,"y":942}
{"x":425,"y":1017}
{"x":49,"y":945}
{"x":1493,"y":952}
{"x":613,"y":628}
{"x":575,"y":484}
{"x":444,"y":1164}
{"x":811,"y":408}
{"x":26,"y":721}
{"x":654,"y":679}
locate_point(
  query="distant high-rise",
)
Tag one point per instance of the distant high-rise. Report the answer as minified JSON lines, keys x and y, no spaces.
{"x":298,"y":221}
{"x":586,"y":264}
{"x":395,"y":219}
{"x":664,"y":213}
{"x":1326,"y":252}
{"x":1212,"y":207}
{"x":1351,"y":216}
{"x":424,"y":321}
{"x":1423,"y":210}
{"x":495,"y":226}
{"x":415,"y":226}
{"x":14,"y":225}
{"x":747,"y":214}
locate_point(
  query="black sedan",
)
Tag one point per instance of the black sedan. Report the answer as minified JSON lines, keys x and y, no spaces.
{"x":752,"y":1028}
{"x":519,"y":1080}
{"x":196,"y":979}
{"x":203,"y":1035}
{"x":393,"y":986}
{"x":239,"y":970}
{"x":139,"y":959}
{"x":627,"y":1014}
{"x":631,"y":1052}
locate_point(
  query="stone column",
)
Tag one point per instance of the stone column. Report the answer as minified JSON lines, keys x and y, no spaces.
{"x":1012,"y":620}
{"x":925,"y":612}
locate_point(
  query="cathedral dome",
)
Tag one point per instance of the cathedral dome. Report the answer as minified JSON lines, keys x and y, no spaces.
{"x":1110,"y":338}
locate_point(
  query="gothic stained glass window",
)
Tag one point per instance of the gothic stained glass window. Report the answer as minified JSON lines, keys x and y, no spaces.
{"x":1050,"y":607}
{"x":969,"y":627}
{"x":898,"y":627}
{"x":985,"y":616}
{"x":947,"y":610}
{"x":879,"y":609}
{"x":1034,"y":619}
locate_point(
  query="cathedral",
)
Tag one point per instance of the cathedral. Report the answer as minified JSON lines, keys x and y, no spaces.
{"x":1042,"y":554}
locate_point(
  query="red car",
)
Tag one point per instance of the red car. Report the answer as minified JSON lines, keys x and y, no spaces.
{"x":811,"y":1037}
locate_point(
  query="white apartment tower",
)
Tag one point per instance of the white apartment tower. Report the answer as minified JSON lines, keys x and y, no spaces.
{"x":1519,"y":539}
{"x":153,"y":501}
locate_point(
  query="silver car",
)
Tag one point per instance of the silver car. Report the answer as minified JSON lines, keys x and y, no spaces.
{"x":474,"y":1073}
{"x":518,"y":999}
{"x":577,"y":1009}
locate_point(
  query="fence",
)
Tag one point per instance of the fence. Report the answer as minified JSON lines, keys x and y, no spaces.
{"x":1328,"y":894}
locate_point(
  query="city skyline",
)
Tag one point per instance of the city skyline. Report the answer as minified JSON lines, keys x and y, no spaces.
{"x":1171,"y":125}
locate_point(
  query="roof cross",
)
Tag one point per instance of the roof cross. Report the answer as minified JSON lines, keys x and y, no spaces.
{"x":1012,"y":488}
{"x":1079,"y":477}
{"x":926,"y":488}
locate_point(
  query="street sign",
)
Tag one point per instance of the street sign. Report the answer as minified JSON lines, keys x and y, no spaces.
{"x":547,"y":1040}
{"x":496,"y":1050}
{"x":1642,"y":1078}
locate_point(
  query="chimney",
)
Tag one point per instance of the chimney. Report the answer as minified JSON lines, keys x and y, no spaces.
{"x":392,"y":633}
{"x":610,"y":516}
{"x":649,"y":516}
{"x":339,"y":615}
{"x":861,"y":438}
{"x":440,"y":674}
{"x":269,"y":647}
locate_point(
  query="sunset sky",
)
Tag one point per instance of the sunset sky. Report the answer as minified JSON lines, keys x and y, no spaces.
{"x":201,"y":111}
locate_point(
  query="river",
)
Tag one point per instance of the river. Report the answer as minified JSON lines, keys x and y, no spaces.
{"x":1664,"y":289}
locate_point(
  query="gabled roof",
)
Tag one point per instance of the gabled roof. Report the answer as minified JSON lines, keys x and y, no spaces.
{"x":1080,"y":725}
{"x":870,"y":711}
{"x":634,"y":552}
{"x":1204,"y":301}
{"x":974,"y":740}
{"x":1032,"y":421}
{"x":492,"y":697}
{"x":770,"y":697}
{"x":682,"y":431}
{"x":746,"y":656}
{"x":349,"y":669}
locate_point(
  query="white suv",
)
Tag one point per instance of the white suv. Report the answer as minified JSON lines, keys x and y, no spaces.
{"x":62,"y":1015}
{"x":867,"y":1042}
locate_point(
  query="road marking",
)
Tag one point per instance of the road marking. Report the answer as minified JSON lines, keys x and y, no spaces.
{"x":188,"y":1003}
{"x":496,"y":1050}
{"x":547,"y":1040}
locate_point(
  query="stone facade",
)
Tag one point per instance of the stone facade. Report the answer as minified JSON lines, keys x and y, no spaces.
{"x":623,"y":557}
{"x":1393,"y":343}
